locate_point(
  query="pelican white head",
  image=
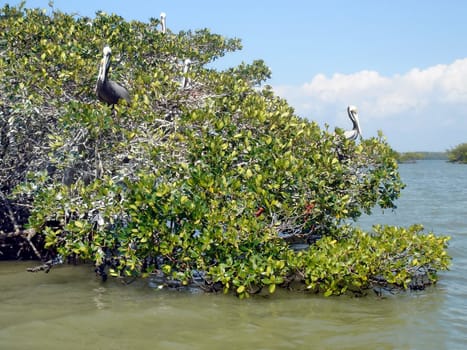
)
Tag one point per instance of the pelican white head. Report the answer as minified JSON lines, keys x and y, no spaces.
{"x":186,"y":65}
{"x":107,"y":51}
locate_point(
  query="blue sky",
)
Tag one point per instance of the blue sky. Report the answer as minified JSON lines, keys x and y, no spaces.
{"x":403,"y":63}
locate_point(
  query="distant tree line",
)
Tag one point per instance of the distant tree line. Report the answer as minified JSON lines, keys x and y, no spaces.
{"x":412,"y":157}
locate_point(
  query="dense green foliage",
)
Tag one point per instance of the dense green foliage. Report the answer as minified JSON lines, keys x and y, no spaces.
{"x":219,"y":180}
{"x":458,"y":154}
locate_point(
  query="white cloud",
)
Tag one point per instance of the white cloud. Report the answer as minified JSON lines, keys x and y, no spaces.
{"x":420,"y":109}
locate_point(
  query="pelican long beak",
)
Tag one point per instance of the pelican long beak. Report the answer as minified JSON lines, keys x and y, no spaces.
{"x":105,"y":64}
{"x":357,"y":124}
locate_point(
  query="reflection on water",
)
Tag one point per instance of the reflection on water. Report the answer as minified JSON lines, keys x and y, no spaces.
{"x":70,"y":309}
{"x":99,"y":298}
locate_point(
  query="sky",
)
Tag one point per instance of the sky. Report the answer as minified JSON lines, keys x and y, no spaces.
{"x":403,"y":63}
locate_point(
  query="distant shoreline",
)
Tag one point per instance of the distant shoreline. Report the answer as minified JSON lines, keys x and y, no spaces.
{"x":413,"y":157}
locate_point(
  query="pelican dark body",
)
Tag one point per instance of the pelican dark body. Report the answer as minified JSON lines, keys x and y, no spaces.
{"x":107,"y":90}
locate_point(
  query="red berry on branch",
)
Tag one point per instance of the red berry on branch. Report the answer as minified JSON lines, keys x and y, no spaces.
{"x":309,"y":208}
{"x":259,"y":211}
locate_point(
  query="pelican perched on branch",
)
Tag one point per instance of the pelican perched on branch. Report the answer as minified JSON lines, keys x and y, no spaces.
{"x":186,"y":68}
{"x":163,"y":25}
{"x":356,"y":131}
{"x":107,"y":90}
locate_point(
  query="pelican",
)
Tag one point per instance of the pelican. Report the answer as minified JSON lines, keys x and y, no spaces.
{"x":353,"y":115}
{"x":186,"y":67}
{"x":107,"y":90}
{"x":163,"y":27}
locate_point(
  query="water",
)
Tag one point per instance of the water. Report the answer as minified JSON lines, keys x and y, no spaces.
{"x":70,"y":309}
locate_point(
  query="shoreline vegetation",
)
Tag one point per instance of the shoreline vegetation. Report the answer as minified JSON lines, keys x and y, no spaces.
{"x":206,"y":177}
{"x":457,"y":154}
{"x":413,"y":157}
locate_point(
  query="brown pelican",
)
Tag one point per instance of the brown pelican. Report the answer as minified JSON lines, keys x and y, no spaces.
{"x":186,"y":67}
{"x":163,"y":26}
{"x":356,"y":131}
{"x":107,"y":90}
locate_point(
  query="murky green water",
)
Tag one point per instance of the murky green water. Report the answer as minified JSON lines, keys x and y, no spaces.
{"x":70,"y":309}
